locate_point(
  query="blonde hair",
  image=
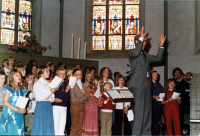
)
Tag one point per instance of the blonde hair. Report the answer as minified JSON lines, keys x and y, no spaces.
{"x":69,"y":70}
{"x":117,"y":79}
{"x":60,"y":69}
{"x":41,"y":69}
{"x":153,"y":71}
{"x":105,"y":85}
{"x":20,"y":67}
{"x":12,"y":82}
{"x":96,"y":80}
{"x":28,"y":75}
{"x":9,"y":58}
{"x":88,"y":73}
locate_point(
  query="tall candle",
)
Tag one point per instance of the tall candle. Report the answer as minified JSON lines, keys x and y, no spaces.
{"x":85,"y":48}
{"x":72,"y":46}
{"x":79,"y":46}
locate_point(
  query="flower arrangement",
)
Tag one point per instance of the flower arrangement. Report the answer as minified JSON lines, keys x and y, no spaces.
{"x":30,"y":46}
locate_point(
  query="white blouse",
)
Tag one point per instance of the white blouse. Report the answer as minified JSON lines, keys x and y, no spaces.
{"x":109,"y":80}
{"x":119,"y":105}
{"x":7,"y":71}
{"x":41,"y":91}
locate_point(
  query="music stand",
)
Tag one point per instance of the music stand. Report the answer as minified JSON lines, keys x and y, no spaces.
{"x":122,"y":96}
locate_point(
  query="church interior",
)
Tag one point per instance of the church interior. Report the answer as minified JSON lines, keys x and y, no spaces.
{"x":102,"y":32}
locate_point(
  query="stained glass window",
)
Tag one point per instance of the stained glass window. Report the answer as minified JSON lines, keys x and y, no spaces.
{"x":8,"y":6}
{"x":132,"y":27}
{"x":129,"y":42}
{"x":115,"y":42}
{"x":115,"y":27}
{"x":132,"y":2}
{"x":115,"y":12}
{"x":99,"y":2}
{"x":115,"y":2}
{"x":132,"y":12}
{"x":21,"y":35}
{"x":24,"y":18}
{"x":98,"y":43}
{"x":115,"y":24}
{"x":8,"y":18}
{"x":7,"y":36}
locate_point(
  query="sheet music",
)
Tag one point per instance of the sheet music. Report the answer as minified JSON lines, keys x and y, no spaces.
{"x":72,"y":81}
{"x":126,"y":94}
{"x":161,"y":95}
{"x":56,"y":82}
{"x":114,"y":94}
{"x":130,"y":115}
{"x":80,"y":84}
{"x":97,"y":92}
{"x":21,"y":102}
{"x":175,"y":95}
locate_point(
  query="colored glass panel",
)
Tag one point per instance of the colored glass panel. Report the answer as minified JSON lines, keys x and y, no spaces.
{"x":132,"y":27}
{"x":115,"y":2}
{"x":99,"y":12}
{"x":98,"y":42}
{"x":7,"y":20}
{"x":25,"y":7}
{"x":8,"y":6}
{"x":7,"y":36}
{"x":115,"y":42}
{"x":98,"y":27}
{"x":129,"y":42}
{"x":115,"y":12}
{"x":132,"y":12}
{"x":115,"y":26}
{"x":132,"y":2}
{"x":24,"y":23}
{"x":99,"y":2}
{"x":21,"y":35}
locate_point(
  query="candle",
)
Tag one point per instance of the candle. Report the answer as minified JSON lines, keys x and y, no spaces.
{"x":72,"y":46}
{"x":79,"y":46}
{"x":85,"y":50}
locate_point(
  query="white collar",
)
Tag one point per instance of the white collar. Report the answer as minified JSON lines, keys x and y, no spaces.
{"x":43,"y":81}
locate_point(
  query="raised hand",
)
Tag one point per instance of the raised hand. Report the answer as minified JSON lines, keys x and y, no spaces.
{"x":143,"y":34}
{"x":161,"y":39}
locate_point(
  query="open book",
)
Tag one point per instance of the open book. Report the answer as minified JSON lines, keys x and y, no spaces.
{"x":122,"y":95}
{"x":56,"y":82}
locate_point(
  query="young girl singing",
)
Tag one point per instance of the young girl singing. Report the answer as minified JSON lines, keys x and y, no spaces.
{"x":104,"y":73}
{"x":43,"y":115}
{"x":171,"y":109}
{"x":90,"y":124}
{"x":12,"y":119}
{"x":106,"y":111}
{"x":119,"y":82}
{"x":62,"y":97}
{"x":78,"y":98}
